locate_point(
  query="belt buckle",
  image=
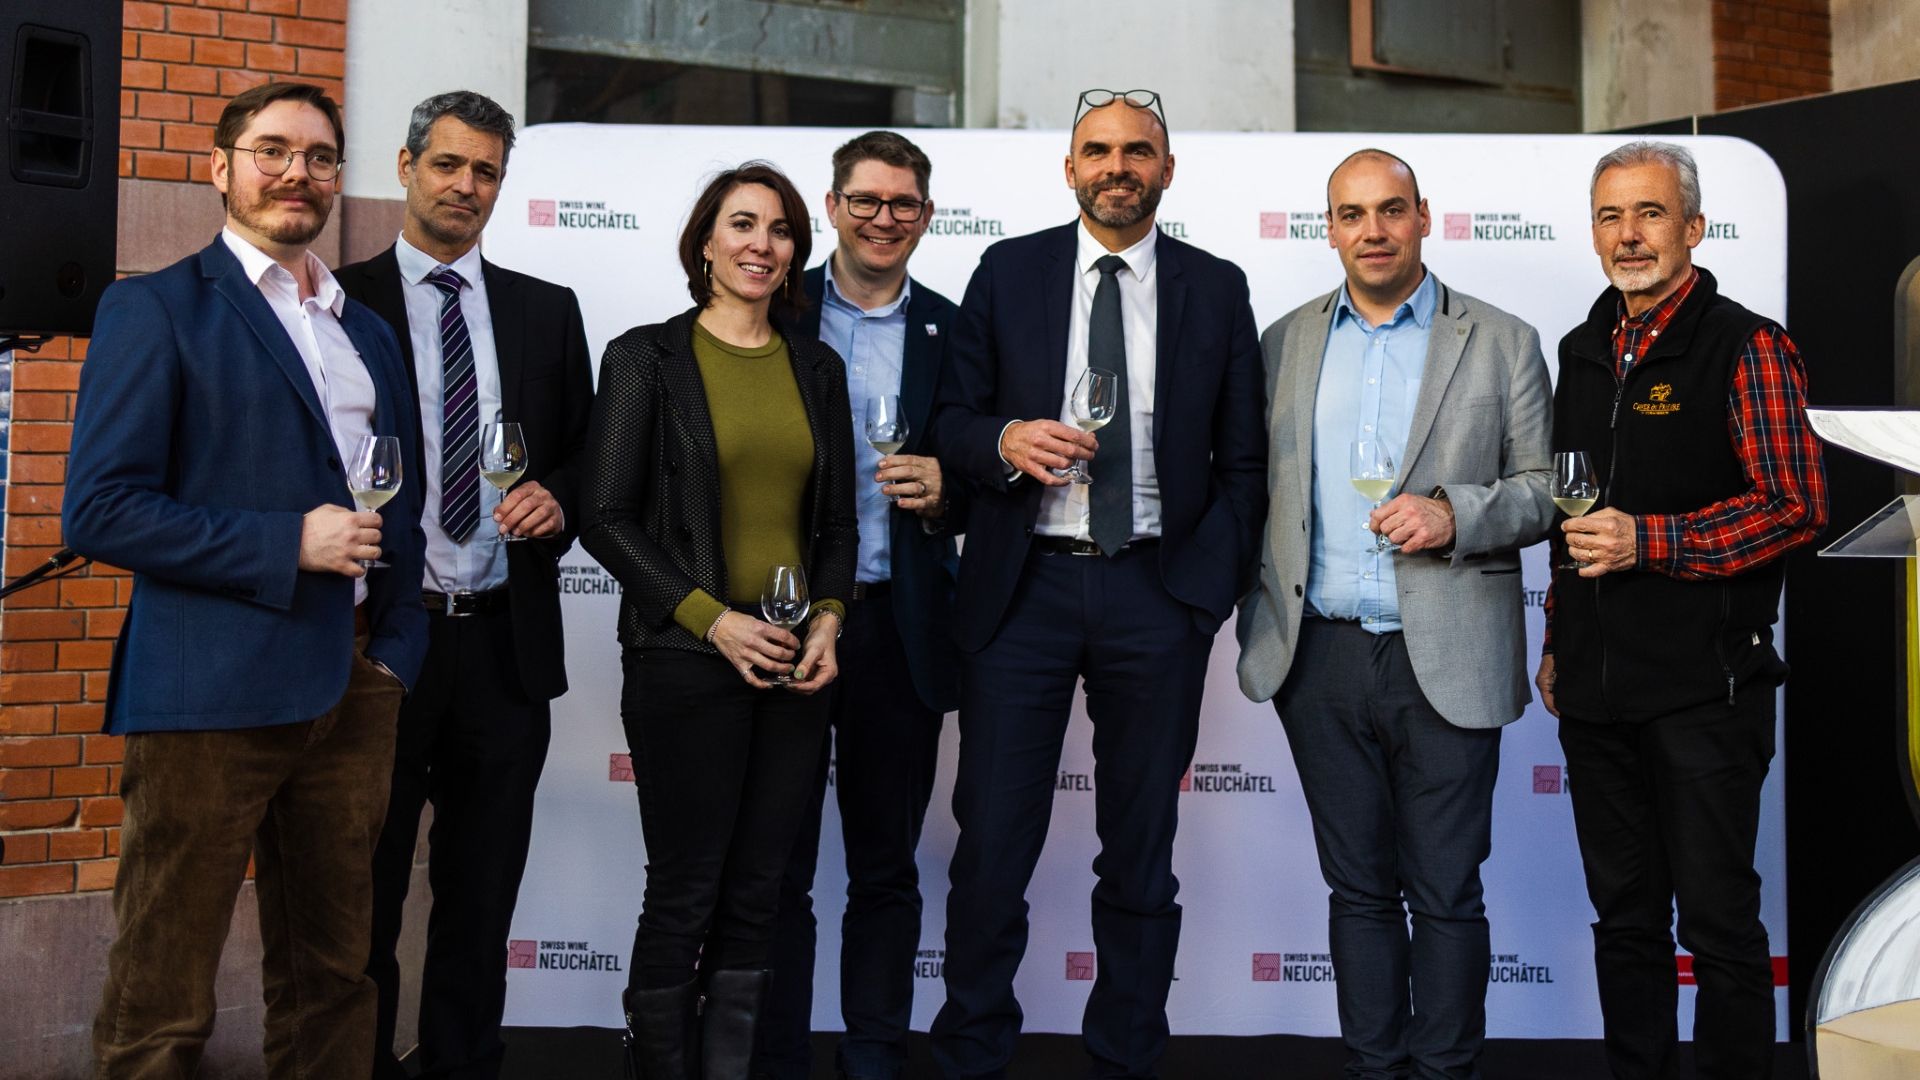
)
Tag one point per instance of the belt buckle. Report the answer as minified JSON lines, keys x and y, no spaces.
{"x":457,"y":603}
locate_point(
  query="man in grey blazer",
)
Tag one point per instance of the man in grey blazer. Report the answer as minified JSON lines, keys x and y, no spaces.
{"x":1393,"y":671}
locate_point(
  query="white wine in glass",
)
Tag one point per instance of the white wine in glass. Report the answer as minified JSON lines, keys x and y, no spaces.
{"x":373,"y":476}
{"x":886,"y":427}
{"x":1095,"y":397}
{"x":1373,"y":475}
{"x":503,"y":460}
{"x":1575,"y":489}
{"x":784,"y":603}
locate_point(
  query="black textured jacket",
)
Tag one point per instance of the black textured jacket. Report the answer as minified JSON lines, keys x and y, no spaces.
{"x":651,"y":504}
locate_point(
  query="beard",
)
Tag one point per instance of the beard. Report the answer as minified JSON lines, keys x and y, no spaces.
{"x":282,"y":229}
{"x":1123,"y":216}
{"x":1635,"y":281}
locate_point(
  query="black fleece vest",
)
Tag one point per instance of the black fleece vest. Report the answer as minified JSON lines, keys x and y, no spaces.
{"x":1635,"y":645}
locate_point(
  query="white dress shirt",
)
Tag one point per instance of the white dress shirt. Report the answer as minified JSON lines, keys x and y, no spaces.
{"x":480,"y":563}
{"x":340,"y":377}
{"x":1066,"y":511}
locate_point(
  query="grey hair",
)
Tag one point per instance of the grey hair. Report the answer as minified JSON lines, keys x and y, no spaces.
{"x":477,"y":111}
{"x":1649,"y":152}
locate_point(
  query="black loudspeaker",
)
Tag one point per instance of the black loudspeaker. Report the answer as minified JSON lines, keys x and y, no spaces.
{"x":59,"y":162}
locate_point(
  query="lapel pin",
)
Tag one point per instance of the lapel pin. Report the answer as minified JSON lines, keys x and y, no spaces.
{"x":933,"y":330}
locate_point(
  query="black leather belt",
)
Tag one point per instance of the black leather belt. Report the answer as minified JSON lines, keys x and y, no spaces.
{"x":1067,"y":545}
{"x":870,"y":590}
{"x":466,"y":603}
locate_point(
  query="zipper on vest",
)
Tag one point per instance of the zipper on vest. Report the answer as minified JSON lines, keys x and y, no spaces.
{"x":1720,"y":637}
{"x":1606,"y":494}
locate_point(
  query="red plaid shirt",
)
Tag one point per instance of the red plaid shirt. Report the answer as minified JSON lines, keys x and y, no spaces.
{"x":1785,"y":507}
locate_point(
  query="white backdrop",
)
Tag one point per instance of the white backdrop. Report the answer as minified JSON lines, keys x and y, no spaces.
{"x":599,"y":208}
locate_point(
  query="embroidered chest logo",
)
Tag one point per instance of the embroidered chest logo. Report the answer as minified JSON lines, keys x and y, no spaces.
{"x":1657,"y":403}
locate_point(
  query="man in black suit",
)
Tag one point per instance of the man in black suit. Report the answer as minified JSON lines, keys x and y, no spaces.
{"x":1121,"y":582}
{"x":900,"y":671}
{"x":482,"y":344}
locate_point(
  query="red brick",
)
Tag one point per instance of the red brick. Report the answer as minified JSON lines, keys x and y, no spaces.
{"x":96,"y":875}
{"x":77,"y":844}
{"x":151,"y":165}
{"x":39,"y":814}
{"x":192,"y":79}
{"x":190,"y":138}
{"x":26,"y":719}
{"x":100,"y":569}
{"x":136,"y":15}
{"x":167,"y":48}
{"x":271,"y":58}
{"x":28,"y":656}
{"x":41,"y":438}
{"x":77,"y":347}
{"x":29,"y":687}
{"x":105,"y":810}
{"x":128,"y":101}
{"x":82,"y":781}
{"x":219,"y":53}
{"x":200,"y":170}
{"x":37,"y":880}
{"x":44,"y":595}
{"x":86,"y":655}
{"x":323,"y":62}
{"x":87,"y":592}
{"x":106,"y":749}
{"x":39,"y":752}
{"x":165,"y":107}
{"x":48,"y":405}
{"x":139,"y":134}
{"x":274,"y":7}
{"x":96,"y":682}
{"x":20,"y":560}
{"x":206,"y":110}
{"x":187,"y":20}
{"x":26,"y":848}
{"x":38,"y":469}
{"x":113,"y":778}
{"x":44,"y":374}
{"x":105,"y":624}
{"x":33,"y":531}
{"x":321,"y":35}
{"x":25,"y":784}
{"x":43,"y":626}
{"x":330,"y":10}
{"x":224,"y":5}
{"x":80,"y":718}
{"x":129,"y":44}
{"x":34,"y":499}
{"x":248,"y":28}
{"x":113,"y":840}
{"x":233,"y":83}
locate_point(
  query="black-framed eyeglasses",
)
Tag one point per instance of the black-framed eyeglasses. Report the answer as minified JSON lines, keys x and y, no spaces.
{"x":867,"y":206}
{"x":1100,"y":99}
{"x":274,"y":160}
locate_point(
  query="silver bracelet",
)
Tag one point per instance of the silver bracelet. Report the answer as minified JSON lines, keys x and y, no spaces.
{"x":715,"y":627}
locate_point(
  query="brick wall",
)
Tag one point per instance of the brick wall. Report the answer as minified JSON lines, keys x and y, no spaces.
{"x":1770,"y":50}
{"x":59,"y":812}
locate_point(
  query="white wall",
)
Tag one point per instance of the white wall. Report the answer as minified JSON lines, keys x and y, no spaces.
{"x":1221,"y":65}
{"x":1644,"y":60}
{"x":1874,"y":42}
{"x":401,"y":53}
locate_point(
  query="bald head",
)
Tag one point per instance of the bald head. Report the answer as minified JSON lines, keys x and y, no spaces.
{"x":1371,"y":161}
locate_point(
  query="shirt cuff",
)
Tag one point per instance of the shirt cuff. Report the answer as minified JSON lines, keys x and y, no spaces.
{"x":1657,"y":541}
{"x":698,"y":612}
{"x":1012,"y":473}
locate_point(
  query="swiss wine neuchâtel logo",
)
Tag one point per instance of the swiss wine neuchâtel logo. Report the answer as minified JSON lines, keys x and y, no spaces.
{"x":1509,"y":968}
{"x":1074,"y":781}
{"x":929,"y":963}
{"x":1080,"y":967}
{"x":1215,"y":777}
{"x":1295,"y":967}
{"x":1722,"y":230}
{"x":1175,"y":229}
{"x":562,"y":214}
{"x":588,"y":581}
{"x":1548,"y":779}
{"x":620,"y":768}
{"x":1293,"y":225}
{"x":1493,"y":227}
{"x":960,"y":221}
{"x":559,"y":956}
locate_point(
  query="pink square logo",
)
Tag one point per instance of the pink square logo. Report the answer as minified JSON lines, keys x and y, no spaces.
{"x":1080,"y":967}
{"x":1546,"y":779}
{"x":1266,"y":967}
{"x":1459,"y":226}
{"x":521,"y":954}
{"x":542,"y":213}
{"x":1186,"y":780}
{"x":1273,"y":226}
{"x":620,"y":768}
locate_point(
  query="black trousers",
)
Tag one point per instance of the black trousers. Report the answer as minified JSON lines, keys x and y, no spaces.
{"x":1669,"y":810}
{"x":1112,"y":623}
{"x":473,"y":742}
{"x":887,"y":743}
{"x":1402,"y":805}
{"x":723,"y":772}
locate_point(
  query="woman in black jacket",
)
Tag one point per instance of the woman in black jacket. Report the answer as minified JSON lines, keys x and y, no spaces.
{"x":720,"y":447}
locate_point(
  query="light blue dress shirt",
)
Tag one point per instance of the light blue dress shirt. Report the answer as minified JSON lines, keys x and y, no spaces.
{"x":873,"y":344}
{"x":1369,"y":381}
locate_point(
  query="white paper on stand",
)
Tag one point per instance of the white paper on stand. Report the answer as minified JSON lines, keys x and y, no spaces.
{"x":1887,"y":435}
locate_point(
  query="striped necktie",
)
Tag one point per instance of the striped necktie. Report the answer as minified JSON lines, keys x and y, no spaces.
{"x":459,"y":414}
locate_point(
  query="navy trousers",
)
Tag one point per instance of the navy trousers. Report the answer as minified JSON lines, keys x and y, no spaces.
{"x":886,"y":742}
{"x":1402,"y":805}
{"x":1112,"y":623}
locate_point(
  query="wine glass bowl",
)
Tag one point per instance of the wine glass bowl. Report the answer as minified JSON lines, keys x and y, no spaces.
{"x":1094,"y":398}
{"x":373,"y":476}
{"x":784,"y":603}
{"x":886,"y":427}
{"x":1575,"y":490}
{"x":503,"y":461}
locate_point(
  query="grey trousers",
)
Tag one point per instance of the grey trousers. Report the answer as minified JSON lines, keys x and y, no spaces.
{"x":1402,"y":805}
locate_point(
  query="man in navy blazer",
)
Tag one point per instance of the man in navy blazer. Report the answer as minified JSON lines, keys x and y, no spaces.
{"x":259,"y":675}
{"x":1121,"y":582}
{"x":899,"y":668}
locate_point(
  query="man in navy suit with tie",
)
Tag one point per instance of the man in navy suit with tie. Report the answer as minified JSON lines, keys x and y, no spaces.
{"x":1121,"y":582}
{"x":259,"y":675}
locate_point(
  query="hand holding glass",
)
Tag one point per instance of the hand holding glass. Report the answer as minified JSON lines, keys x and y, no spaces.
{"x":784,"y":603}
{"x":1094,"y":399}
{"x":1373,"y":475}
{"x":1575,"y":490}
{"x":373,"y":475}
{"x":503,"y":460}
{"x":886,"y":427}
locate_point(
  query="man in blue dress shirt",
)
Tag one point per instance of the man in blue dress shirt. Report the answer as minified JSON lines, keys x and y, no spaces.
{"x":899,"y":669}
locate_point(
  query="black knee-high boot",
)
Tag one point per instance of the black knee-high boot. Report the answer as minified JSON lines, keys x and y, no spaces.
{"x":728,"y":1019}
{"x":662,"y":1036}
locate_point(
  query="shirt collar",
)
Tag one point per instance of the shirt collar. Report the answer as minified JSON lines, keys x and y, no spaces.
{"x":1420,"y":305}
{"x":832,"y":295}
{"x":1139,"y":258}
{"x":1659,"y":315}
{"x":257,"y":265}
{"x":415,"y":264}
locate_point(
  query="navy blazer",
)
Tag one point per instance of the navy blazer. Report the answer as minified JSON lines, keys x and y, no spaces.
{"x":1209,"y":430}
{"x":199,"y":445}
{"x":923,"y":565}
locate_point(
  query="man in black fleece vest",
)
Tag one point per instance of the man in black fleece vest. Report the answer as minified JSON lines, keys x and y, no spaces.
{"x":1659,"y":659}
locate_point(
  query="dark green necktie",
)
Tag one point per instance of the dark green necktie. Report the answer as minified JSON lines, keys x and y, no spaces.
{"x":1112,"y":468}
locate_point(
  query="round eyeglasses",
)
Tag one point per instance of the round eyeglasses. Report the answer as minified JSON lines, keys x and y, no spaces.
{"x":1100,"y":99}
{"x":275,"y":160}
{"x":867,"y":206}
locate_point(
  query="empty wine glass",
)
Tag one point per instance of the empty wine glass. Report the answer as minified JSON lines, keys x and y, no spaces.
{"x":784,"y":603}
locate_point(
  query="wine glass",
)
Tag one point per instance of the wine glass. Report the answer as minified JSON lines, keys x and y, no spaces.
{"x":1094,"y":398}
{"x":503,"y":460}
{"x":886,"y":427}
{"x":1373,"y":475}
{"x":1575,"y":490}
{"x":373,"y":475}
{"x":784,"y":603}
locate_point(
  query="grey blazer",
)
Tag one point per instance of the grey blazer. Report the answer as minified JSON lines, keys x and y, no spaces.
{"x":1480,"y":429}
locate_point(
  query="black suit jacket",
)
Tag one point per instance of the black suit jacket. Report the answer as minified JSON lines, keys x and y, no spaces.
{"x":923,"y":565}
{"x":546,"y":386}
{"x":1209,"y":429}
